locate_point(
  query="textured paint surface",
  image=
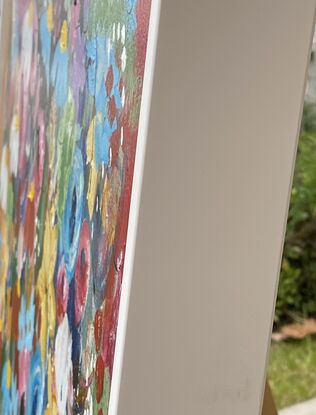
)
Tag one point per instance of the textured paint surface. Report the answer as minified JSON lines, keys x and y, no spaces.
{"x":66,"y":167}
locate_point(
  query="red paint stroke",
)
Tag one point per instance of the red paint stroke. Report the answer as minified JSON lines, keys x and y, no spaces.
{"x":62,"y":292}
{"x":109,"y":81}
{"x":29,"y":228}
{"x":112,"y":109}
{"x":99,"y":378}
{"x":82,"y":271}
{"x":98,"y":328}
{"x":142,"y":16}
{"x":115,"y":145}
{"x":24,"y":365}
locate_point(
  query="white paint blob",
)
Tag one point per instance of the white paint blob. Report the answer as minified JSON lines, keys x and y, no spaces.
{"x":123,"y":33}
{"x":26,"y":48}
{"x":123,"y":96}
{"x":63,"y":366}
{"x":123,"y":57}
{"x":114,"y":32}
{"x":14,"y":145}
{"x":118,"y":33}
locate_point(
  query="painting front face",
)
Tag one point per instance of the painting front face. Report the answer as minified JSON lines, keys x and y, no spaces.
{"x":71,"y":104}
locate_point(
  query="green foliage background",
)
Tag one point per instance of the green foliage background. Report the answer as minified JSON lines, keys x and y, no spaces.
{"x":297,"y":287}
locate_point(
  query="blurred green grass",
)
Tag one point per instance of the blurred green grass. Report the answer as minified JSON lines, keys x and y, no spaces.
{"x":292,"y":371}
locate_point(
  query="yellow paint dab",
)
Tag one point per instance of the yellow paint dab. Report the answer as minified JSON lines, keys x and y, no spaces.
{"x":90,"y":141}
{"x":51,"y":408}
{"x":31,"y":192}
{"x":92,"y":188}
{"x":45,"y":282}
{"x":30,"y":14}
{"x":9,"y":374}
{"x":41,"y":290}
{"x":50,"y":17}
{"x":64,"y":36}
{"x":105,"y":201}
{"x":17,"y":122}
{"x":18,"y":287}
{"x":110,"y":204}
{"x":51,"y":307}
{"x":93,"y":173}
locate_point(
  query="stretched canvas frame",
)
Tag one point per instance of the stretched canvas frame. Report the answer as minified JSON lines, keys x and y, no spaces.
{"x":72,"y":82}
{"x":203,"y":195}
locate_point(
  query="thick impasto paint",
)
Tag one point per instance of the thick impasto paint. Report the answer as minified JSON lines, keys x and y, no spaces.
{"x":72,"y":101}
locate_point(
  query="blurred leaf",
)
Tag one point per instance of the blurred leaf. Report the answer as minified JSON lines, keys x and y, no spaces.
{"x":297,"y":288}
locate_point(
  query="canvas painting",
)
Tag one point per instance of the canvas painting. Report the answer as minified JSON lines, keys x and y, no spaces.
{"x":71,"y":105}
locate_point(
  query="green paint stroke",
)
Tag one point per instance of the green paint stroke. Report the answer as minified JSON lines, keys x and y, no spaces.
{"x":66,"y":144}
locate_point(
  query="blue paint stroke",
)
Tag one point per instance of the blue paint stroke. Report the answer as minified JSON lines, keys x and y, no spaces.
{"x":46,"y":39}
{"x":59,"y":75}
{"x":36,"y":386}
{"x":72,"y":219}
{"x":26,"y":324}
